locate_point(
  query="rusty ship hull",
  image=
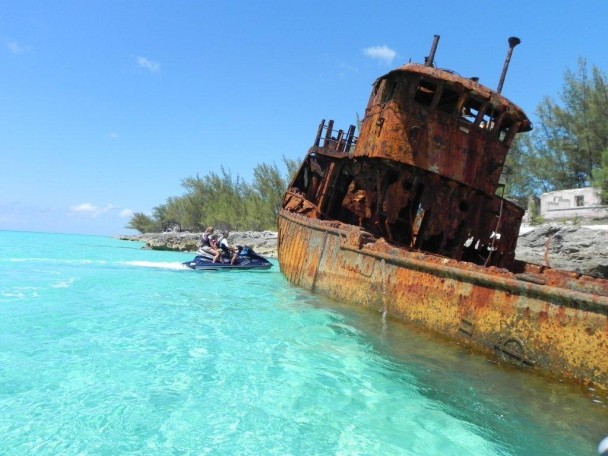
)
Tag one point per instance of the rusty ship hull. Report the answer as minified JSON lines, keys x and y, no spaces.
{"x":406,"y":219}
{"x":540,"y":317}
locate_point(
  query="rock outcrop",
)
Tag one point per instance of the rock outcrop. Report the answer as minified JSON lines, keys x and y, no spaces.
{"x":263,"y":242}
{"x":569,"y":247}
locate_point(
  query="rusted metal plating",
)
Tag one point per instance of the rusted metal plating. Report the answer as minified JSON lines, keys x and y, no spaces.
{"x":424,"y":171}
{"x":554,"y":320}
{"x":440,"y":122}
{"x":408,"y":207}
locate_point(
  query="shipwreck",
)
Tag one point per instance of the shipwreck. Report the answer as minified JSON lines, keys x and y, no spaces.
{"x":409,"y":219}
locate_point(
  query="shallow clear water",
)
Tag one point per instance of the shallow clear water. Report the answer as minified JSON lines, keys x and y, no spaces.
{"x":108,"y":349}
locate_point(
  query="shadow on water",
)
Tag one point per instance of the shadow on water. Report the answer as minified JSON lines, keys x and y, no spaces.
{"x":518,"y":407}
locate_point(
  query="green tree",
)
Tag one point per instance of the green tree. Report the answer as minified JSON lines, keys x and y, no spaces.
{"x":518,"y":178}
{"x":565,"y":148}
{"x":224,"y":201}
{"x":224,"y":207}
{"x":600,"y":177}
{"x":142,"y":223}
{"x":292,"y":166}
{"x":267,"y":188}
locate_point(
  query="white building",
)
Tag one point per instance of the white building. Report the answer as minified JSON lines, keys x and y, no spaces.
{"x":573,"y":203}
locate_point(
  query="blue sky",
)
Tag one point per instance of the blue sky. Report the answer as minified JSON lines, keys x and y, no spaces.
{"x":105,"y":106}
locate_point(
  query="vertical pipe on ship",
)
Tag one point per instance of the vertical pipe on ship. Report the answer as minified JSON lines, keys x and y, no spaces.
{"x":428,"y":61}
{"x":513,"y":41}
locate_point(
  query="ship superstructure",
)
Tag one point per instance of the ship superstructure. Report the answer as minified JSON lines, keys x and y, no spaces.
{"x":409,"y":218}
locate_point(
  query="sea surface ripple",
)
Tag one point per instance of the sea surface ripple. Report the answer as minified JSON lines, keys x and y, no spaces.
{"x":109,"y":349}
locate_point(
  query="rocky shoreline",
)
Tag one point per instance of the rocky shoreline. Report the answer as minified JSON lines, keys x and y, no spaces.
{"x":582,"y":249}
{"x":263,"y":242}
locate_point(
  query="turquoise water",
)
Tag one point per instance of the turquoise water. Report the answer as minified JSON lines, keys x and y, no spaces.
{"x":108,"y":349}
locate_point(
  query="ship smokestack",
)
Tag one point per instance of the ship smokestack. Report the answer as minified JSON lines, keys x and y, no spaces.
{"x":513,"y":41}
{"x":428,"y":61}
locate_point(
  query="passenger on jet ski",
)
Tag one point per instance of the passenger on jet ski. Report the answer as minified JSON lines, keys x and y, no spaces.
{"x":208,"y":242}
{"x":223,"y":248}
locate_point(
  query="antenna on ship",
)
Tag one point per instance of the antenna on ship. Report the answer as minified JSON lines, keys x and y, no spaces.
{"x":513,"y":41}
{"x":428,"y":61}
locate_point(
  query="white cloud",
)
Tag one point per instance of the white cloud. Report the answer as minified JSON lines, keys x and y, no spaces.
{"x":150,"y":65}
{"x":15,"y":47}
{"x":91,"y":209}
{"x":84,"y":207}
{"x":114,"y":135}
{"x":382,"y":53}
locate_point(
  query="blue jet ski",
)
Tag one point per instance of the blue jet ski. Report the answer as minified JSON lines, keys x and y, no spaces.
{"x":246,"y":259}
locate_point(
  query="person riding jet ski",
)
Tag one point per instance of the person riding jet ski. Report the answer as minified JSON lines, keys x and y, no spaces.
{"x":223,"y":248}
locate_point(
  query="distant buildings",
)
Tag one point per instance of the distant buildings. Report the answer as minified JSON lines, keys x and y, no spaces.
{"x":572,"y":203}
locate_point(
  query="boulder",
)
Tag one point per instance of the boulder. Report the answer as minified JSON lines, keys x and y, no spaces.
{"x":569,"y":247}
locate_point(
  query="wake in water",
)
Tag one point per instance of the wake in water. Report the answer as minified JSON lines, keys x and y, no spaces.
{"x":53,"y":260}
{"x":176,"y":266}
{"x":170,"y":265}
{"x":85,"y":262}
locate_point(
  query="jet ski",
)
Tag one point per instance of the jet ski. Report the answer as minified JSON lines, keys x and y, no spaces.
{"x":246,"y":259}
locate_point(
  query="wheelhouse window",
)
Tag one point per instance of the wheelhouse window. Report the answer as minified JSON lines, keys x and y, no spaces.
{"x":471,"y":109}
{"x":448,"y":101}
{"x":489,"y":120}
{"x":508,"y":128}
{"x":504,"y":131}
{"x":425,"y":92}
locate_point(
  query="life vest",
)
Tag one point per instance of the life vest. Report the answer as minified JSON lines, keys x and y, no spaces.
{"x":206,"y":240}
{"x":221,"y":245}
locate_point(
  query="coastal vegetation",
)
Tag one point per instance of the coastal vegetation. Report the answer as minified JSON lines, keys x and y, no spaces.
{"x":568,"y":148}
{"x":222,"y":200}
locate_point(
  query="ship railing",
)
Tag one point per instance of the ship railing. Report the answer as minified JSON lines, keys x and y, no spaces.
{"x":335,"y":140}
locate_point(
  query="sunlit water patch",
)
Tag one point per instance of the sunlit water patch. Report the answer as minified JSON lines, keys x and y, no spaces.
{"x":109,"y":349}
